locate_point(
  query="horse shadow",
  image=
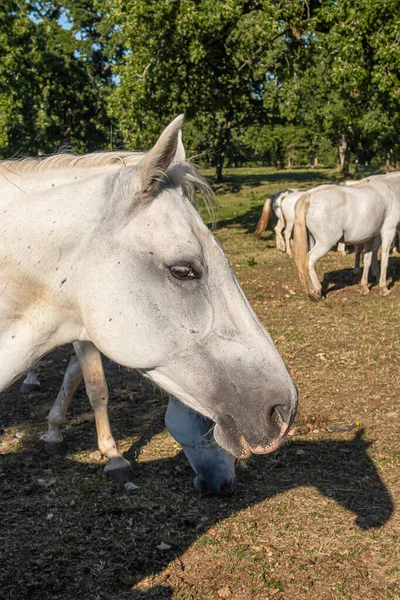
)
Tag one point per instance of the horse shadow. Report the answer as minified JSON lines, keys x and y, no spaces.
{"x":344,"y":278}
{"x":235,"y":182}
{"x":107,"y":540}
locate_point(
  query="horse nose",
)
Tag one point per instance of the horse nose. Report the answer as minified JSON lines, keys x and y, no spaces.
{"x":201,"y":485}
{"x":206,"y":488}
{"x":226,"y":489}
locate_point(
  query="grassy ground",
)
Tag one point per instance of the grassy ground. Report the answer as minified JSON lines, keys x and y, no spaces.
{"x":319,"y":519}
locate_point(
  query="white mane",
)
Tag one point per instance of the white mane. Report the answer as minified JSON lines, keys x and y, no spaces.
{"x":181,"y":174}
{"x":67,"y":160}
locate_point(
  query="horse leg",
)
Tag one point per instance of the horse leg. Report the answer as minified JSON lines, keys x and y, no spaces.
{"x":341,"y":248}
{"x":375,"y":263}
{"x":31,"y":382}
{"x":368,"y":246}
{"x":317,"y":251}
{"x":387,"y":239}
{"x":358,"y":250}
{"x":96,"y":388}
{"x":288,"y":235}
{"x":280,"y":244}
{"x":53,"y":440}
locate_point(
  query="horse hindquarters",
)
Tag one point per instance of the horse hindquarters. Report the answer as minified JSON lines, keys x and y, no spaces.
{"x":305,"y":260}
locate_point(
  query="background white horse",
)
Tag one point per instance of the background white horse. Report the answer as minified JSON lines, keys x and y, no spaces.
{"x":358,"y":214}
{"x":274,"y":203}
{"x":283,"y":205}
{"x":94,"y":250}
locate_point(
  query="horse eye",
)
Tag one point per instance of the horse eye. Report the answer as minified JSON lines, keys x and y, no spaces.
{"x":183,"y":272}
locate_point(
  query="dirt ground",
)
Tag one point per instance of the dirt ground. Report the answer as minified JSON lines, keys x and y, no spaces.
{"x":318,"y":519}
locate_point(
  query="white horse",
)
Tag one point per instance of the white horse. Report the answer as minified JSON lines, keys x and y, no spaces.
{"x":214,"y":467}
{"x":93,"y":250}
{"x":283,"y":205}
{"x":356,"y":214}
{"x":274,"y":203}
{"x":288,"y":206}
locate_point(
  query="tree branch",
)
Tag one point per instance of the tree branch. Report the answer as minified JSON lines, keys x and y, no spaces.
{"x":261,"y":50}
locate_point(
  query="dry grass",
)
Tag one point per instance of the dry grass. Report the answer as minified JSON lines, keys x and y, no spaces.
{"x":319,"y":519}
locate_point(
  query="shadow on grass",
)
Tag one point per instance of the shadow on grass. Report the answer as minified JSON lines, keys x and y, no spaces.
{"x":84,"y":536}
{"x":343,"y":278}
{"x":248,"y":221}
{"x":236,"y":182}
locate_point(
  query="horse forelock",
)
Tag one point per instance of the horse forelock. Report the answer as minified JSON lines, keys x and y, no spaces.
{"x":186,"y":176}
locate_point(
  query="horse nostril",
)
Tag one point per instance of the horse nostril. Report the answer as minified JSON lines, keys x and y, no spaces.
{"x":279,"y":413}
{"x":226,"y":489}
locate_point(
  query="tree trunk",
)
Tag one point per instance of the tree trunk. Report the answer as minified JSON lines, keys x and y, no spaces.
{"x":66,"y":129}
{"x":343,"y":155}
{"x":219,"y":166}
{"x":225,"y":135}
{"x":389,"y":159}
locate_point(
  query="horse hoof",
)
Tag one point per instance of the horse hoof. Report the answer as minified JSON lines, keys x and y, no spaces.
{"x":53,"y":448}
{"x":384,"y":291}
{"x":315,"y":296}
{"x":29,"y":388}
{"x":364,"y":290}
{"x":119,"y":469}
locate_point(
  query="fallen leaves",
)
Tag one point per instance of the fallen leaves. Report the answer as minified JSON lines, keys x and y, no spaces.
{"x":224,"y":592}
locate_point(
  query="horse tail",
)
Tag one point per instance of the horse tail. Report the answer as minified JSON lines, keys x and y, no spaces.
{"x":265,"y":215}
{"x":300,"y":241}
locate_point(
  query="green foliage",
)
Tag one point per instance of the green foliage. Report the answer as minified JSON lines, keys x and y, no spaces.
{"x":278,"y":83}
{"x":49,"y":94}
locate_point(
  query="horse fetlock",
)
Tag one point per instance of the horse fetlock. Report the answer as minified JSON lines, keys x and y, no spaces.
{"x":364,"y":289}
{"x":52,"y":437}
{"x":119,"y":469}
{"x":384,"y":291}
{"x":315,"y":295}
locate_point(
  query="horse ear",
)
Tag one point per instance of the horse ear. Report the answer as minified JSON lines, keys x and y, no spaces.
{"x":168,"y":148}
{"x":180,"y":155}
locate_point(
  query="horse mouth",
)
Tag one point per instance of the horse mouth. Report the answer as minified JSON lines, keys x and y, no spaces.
{"x":273,"y":444}
{"x":238,"y":445}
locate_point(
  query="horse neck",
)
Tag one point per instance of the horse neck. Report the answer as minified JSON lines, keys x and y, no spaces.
{"x":49,"y":219}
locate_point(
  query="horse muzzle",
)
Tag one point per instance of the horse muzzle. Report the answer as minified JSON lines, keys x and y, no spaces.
{"x":260,"y":437}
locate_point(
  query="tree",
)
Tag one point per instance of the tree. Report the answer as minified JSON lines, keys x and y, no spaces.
{"x":50,"y":93}
{"x":347,"y":84}
{"x":207,"y":59}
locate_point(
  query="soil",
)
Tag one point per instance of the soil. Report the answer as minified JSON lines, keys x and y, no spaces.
{"x":318,"y":519}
